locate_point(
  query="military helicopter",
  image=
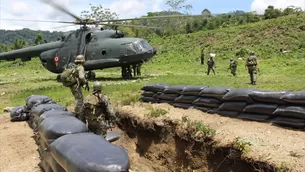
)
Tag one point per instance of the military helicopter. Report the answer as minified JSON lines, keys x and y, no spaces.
{"x":101,"y":48}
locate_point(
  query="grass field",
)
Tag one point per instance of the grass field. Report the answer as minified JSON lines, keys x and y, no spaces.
{"x":178,"y":62}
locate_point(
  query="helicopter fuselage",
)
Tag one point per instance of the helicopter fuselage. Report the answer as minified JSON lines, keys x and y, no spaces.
{"x":101,"y":48}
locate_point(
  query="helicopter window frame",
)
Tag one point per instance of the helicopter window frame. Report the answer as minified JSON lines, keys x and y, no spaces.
{"x":89,"y":37}
{"x":130,"y":49}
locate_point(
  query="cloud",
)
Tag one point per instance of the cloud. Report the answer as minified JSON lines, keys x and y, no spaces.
{"x":37,"y":10}
{"x":19,"y":8}
{"x":134,"y":8}
{"x":260,"y":5}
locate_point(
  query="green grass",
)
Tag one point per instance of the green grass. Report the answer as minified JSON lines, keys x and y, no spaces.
{"x":155,"y":112}
{"x":178,"y":62}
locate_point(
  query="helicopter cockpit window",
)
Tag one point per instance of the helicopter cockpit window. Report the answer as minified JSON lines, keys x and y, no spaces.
{"x":138,"y":46}
{"x":130,"y":50}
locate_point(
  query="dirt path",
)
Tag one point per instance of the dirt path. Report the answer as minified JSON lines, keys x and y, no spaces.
{"x":17,"y":148}
{"x":270,"y":144}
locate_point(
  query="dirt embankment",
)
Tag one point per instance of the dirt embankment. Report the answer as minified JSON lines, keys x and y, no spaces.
{"x":166,"y":144}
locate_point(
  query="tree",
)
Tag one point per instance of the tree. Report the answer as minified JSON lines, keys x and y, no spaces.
{"x":100,"y":13}
{"x":206,"y":11}
{"x":39,"y":39}
{"x":271,"y":12}
{"x":177,"y":5}
{"x":18,"y":44}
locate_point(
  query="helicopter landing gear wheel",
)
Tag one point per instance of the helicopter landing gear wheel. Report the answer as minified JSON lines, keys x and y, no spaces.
{"x":58,"y":78}
{"x":90,"y":75}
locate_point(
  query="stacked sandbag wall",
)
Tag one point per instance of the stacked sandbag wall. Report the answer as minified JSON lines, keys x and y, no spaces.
{"x":65,"y":143}
{"x":282,"y":108}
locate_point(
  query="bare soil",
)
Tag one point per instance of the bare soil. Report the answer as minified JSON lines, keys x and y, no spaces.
{"x":17,"y":147}
{"x":271,"y":146}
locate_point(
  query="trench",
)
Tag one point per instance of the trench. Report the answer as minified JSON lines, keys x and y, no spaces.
{"x":157,"y":146}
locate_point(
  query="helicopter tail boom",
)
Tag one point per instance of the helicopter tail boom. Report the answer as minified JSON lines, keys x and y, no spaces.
{"x":25,"y":54}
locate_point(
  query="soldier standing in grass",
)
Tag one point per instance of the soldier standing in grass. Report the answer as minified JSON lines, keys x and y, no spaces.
{"x":202,"y":56}
{"x":233,"y":66}
{"x":211,"y":64}
{"x":74,"y":78}
{"x":97,"y":111}
{"x":252,"y":65}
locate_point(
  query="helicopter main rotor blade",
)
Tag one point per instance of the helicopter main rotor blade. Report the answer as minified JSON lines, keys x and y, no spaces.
{"x":154,"y":17}
{"x":60,"y":8}
{"x":47,"y":21}
{"x":130,"y":26}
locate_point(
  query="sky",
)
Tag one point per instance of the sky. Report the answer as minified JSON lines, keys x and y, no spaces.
{"x":37,"y":10}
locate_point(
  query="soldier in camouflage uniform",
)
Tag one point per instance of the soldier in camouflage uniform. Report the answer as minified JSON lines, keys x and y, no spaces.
{"x":202,"y":56}
{"x":97,"y":111}
{"x":211,"y":64}
{"x":76,"y":89}
{"x":252,"y":65}
{"x":233,"y":66}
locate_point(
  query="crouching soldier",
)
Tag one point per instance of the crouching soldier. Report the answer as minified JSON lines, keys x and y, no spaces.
{"x":97,"y":111}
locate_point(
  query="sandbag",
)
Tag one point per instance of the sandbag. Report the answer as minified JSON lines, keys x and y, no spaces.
{"x":47,"y":157}
{"x":35,"y":100}
{"x":175,"y":89}
{"x":185,"y":99}
{"x":215,"y":92}
{"x":239,"y":95}
{"x":233,"y":106}
{"x":297,"y":97}
{"x":182,"y":105}
{"x":267,"y":96}
{"x":232,"y":114}
{"x":203,"y":109}
{"x":289,"y":122}
{"x":37,"y":111}
{"x":167,"y":101}
{"x":19,"y":113}
{"x":207,"y":102}
{"x":254,"y":117}
{"x":290,"y":111}
{"x":54,"y":127}
{"x":193,"y":90}
{"x":112,"y":136}
{"x":90,"y":153}
{"x":148,"y":94}
{"x":154,"y":87}
{"x":45,"y":166}
{"x":171,"y":97}
{"x":212,"y":111}
{"x":149,"y":99}
{"x":52,"y":113}
{"x":267,"y":109}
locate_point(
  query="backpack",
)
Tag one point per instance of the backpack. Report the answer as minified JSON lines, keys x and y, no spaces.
{"x":68,"y":76}
{"x":251,"y":61}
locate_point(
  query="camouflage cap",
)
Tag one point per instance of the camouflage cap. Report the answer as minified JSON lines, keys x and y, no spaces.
{"x":231,"y":59}
{"x":97,"y":86}
{"x":251,"y":52}
{"x":79,"y":59}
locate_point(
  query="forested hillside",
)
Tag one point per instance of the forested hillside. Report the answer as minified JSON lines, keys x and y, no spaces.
{"x":8,"y":37}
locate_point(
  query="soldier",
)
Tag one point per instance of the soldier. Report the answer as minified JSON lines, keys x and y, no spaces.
{"x":97,"y":111}
{"x":233,"y":66}
{"x":137,"y":69}
{"x":252,"y":65}
{"x":211,"y":63}
{"x":76,"y":89}
{"x":202,"y":56}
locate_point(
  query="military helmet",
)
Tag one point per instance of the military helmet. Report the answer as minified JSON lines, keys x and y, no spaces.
{"x":231,"y":59}
{"x":251,"y":52}
{"x":79,"y":59}
{"x":97,"y":86}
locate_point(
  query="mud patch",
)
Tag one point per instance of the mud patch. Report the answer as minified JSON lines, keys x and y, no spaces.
{"x":167,"y":145}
